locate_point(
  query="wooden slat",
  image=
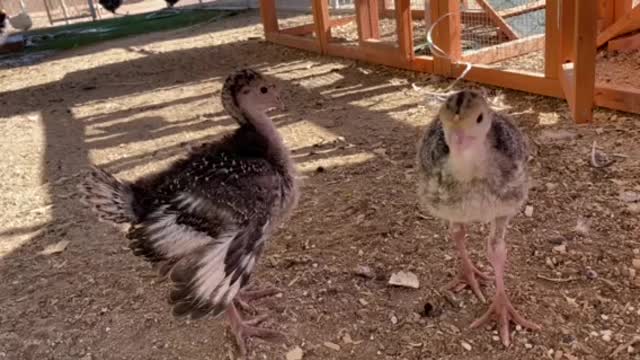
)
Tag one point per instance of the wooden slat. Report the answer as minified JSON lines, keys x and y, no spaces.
{"x":321,"y":19}
{"x":629,"y":22}
{"x":606,"y":14}
{"x":377,"y":54}
{"x":585,"y":62}
{"x":522,"y":9}
{"x":269,"y":17}
{"x":404,"y":26}
{"x":497,"y":19}
{"x":447,"y":33}
{"x":311,"y":28}
{"x":552,"y":40}
{"x":367,"y":19}
{"x":625,"y":43}
{"x":568,"y":83}
{"x":294,"y":41}
{"x":517,"y":80}
{"x":567,"y":29}
{"x":618,"y":98}
{"x":621,"y":7}
{"x":505,"y":50}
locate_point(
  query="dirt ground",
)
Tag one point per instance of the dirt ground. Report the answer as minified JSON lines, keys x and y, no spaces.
{"x":132,"y":105}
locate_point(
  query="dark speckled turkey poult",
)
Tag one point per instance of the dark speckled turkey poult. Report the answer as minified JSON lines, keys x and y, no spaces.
{"x":205,"y":220}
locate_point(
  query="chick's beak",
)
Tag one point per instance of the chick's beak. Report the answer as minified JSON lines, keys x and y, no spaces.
{"x":459,"y":138}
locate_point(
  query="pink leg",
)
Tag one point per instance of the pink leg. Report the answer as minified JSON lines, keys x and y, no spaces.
{"x":501,"y":306}
{"x":242,"y":330}
{"x":469,"y":274}
{"x":245,"y":296}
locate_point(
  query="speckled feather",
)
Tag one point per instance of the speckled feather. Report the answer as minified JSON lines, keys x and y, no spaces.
{"x":500,"y":192}
{"x":204,"y":220}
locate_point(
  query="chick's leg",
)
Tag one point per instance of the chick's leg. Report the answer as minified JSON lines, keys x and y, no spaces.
{"x":245,"y":296}
{"x":244,"y":329}
{"x":501,"y":308}
{"x":469,"y":274}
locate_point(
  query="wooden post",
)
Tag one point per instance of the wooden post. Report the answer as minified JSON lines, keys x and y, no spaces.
{"x":621,"y":7}
{"x":585,"y":60}
{"x":404,"y":24}
{"x":323,"y":24}
{"x":367,"y":19}
{"x":552,"y":40}
{"x":269,"y":17}
{"x":446,"y":34}
{"x":567,"y":30}
{"x":606,"y":14}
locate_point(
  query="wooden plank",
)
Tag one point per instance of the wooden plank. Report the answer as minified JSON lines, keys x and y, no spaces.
{"x":567,"y":29}
{"x":404,"y":26}
{"x":606,"y":14}
{"x":618,"y":98}
{"x":321,"y":19}
{"x":367,"y":19}
{"x":373,"y":53}
{"x":627,"y":23}
{"x":497,"y":19}
{"x":311,"y":28}
{"x":294,"y":41}
{"x":621,"y":7}
{"x":625,"y":43}
{"x":517,"y":80}
{"x":568,"y":83}
{"x":269,"y":17}
{"x":585,"y":62}
{"x":447,"y":33}
{"x":505,"y":50}
{"x":552,"y":40}
{"x":522,"y":9}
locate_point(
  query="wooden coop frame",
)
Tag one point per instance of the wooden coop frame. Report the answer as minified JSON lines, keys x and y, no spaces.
{"x":570,"y":44}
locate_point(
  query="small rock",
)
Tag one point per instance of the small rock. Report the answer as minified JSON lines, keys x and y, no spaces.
{"x":561,"y":249}
{"x":528,"y":211}
{"x":606,"y":337}
{"x":528,"y":346}
{"x":363,"y":302}
{"x":295,"y":354}
{"x":630,"y":196}
{"x":56,"y":248}
{"x":332,"y":346}
{"x":364,"y":271}
{"x":394,"y":319}
{"x":632,"y":273}
{"x":465,"y":345}
{"x":636,"y":264}
{"x":582,"y":227}
{"x":404,"y":279}
{"x":591,"y":274}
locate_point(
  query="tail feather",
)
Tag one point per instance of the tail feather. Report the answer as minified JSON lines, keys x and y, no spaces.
{"x":112,"y":199}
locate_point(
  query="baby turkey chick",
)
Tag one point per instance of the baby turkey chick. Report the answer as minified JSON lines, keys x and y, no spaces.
{"x":472,"y":167}
{"x":204,"y":221}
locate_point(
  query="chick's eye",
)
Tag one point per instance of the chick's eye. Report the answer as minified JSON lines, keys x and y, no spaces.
{"x":264,"y":90}
{"x":479,"y":119}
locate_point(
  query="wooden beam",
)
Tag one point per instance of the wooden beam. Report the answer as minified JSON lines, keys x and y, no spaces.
{"x":367,"y":19}
{"x":621,"y":7}
{"x":522,"y":9}
{"x":497,"y":19}
{"x":311,"y":28}
{"x":627,"y":23}
{"x":567,"y":29}
{"x":517,"y":80}
{"x":585,"y":62}
{"x":552,"y":40}
{"x":269,"y":17}
{"x":446,"y":34}
{"x":618,"y":98}
{"x":505,"y":50}
{"x":625,"y":43}
{"x":372,"y":53}
{"x":321,"y":19}
{"x":606,"y":14}
{"x":293,"y":41}
{"x":404,"y":24}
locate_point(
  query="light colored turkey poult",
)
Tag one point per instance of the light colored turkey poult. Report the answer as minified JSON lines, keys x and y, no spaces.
{"x":205,"y":220}
{"x":472,"y":167}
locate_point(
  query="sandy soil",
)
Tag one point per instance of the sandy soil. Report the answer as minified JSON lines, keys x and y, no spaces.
{"x":132,"y":105}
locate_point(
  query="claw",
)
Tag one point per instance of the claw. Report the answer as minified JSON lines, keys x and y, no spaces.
{"x":244,"y":329}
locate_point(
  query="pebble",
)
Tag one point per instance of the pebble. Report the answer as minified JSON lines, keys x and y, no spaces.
{"x":465,"y":345}
{"x":561,"y":249}
{"x":295,"y":354}
{"x":528,"y":211}
{"x":636,"y":264}
{"x":606,"y":335}
{"x":632,"y":273}
{"x":332,"y":346}
{"x":528,"y":346}
{"x":394,"y":319}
